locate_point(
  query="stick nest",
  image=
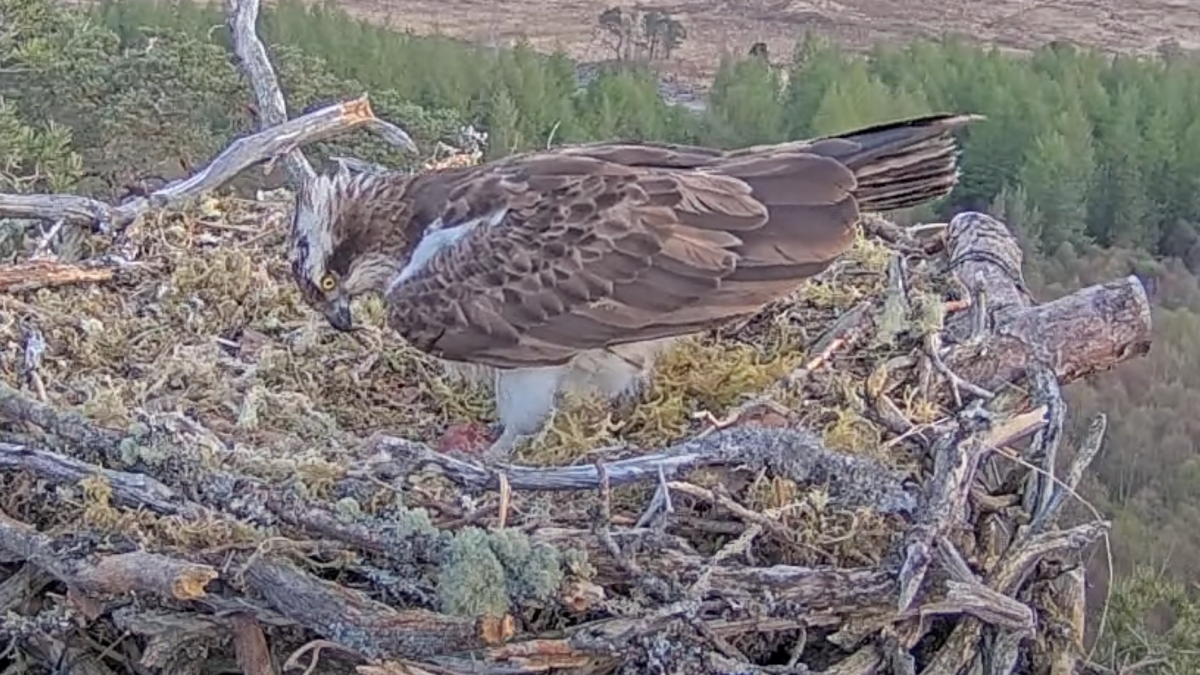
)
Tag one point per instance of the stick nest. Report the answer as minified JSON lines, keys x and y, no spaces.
{"x":289,"y":483}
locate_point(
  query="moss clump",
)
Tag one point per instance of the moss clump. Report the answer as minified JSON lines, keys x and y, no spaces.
{"x":534,"y":570}
{"x":471,"y":581}
{"x":485,"y":573}
{"x":403,"y":523}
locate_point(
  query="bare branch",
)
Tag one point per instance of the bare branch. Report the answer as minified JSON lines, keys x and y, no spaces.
{"x":160,"y":575}
{"x":797,"y":454}
{"x":69,"y":208}
{"x":956,"y":456}
{"x":984,"y":604}
{"x":242,"y":18}
{"x":277,"y":136}
{"x":129,"y":489}
{"x":43,"y":273}
{"x":354,"y":620}
{"x":241,"y":154}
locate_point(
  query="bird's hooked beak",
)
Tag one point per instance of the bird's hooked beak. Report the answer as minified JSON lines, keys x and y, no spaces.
{"x":337,"y":313}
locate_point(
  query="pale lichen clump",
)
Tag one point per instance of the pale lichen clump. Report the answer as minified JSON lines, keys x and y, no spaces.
{"x":485,"y":573}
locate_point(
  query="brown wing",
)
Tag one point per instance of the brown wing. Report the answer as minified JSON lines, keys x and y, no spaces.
{"x":590,"y":254}
{"x":609,"y":243}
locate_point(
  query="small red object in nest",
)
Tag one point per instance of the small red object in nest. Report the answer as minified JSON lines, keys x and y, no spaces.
{"x":763,"y":417}
{"x":468,"y":437}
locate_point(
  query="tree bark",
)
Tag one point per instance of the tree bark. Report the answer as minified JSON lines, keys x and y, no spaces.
{"x":1089,"y":331}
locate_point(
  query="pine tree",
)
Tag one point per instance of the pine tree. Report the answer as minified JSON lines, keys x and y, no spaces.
{"x":1189,"y":172}
{"x":859,"y":99}
{"x":1057,"y":177}
{"x":1159,"y":150}
{"x":816,"y":65}
{"x":1012,"y":207}
{"x":744,"y":105}
{"x":504,"y":119}
{"x":626,"y":105}
{"x":1118,"y":209}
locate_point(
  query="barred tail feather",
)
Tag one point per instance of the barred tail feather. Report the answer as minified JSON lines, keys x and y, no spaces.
{"x":901,"y":164}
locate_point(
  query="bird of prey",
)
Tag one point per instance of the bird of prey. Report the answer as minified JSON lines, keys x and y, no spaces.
{"x":573,"y":268}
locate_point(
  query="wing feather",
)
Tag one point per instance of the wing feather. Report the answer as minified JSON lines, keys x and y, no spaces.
{"x":588,"y":254}
{"x":594,"y":246}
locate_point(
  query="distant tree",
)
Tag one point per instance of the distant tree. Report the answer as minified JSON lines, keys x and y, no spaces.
{"x":36,"y":154}
{"x":1013,"y":208}
{"x":816,"y":64}
{"x":1118,"y":208}
{"x":504,"y":137}
{"x":1057,"y":176}
{"x":744,"y":105}
{"x":662,"y":33}
{"x":858,"y":98}
{"x":641,"y":33}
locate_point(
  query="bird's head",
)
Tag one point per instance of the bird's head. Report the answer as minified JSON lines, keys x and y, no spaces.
{"x":346,"y":240}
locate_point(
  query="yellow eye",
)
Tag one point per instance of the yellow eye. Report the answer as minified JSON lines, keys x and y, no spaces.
{"x":328,"y":283}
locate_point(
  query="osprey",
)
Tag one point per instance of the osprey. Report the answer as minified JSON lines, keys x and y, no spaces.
{"x":574,"y":267}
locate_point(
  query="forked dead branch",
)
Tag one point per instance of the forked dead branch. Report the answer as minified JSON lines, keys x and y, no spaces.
{"x":176,"y":528}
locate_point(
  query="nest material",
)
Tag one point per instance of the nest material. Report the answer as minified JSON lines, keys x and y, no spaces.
{"x":788,"y":494}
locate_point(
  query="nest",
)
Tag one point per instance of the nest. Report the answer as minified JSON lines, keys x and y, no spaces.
{"x":195,"y":470}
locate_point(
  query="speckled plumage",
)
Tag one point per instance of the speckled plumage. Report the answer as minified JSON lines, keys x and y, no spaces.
{"x":574,"y":267}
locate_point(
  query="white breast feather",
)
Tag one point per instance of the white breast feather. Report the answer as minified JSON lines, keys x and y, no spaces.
{"x":438,"y":237}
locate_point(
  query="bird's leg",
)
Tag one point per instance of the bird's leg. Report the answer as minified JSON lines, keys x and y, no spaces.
{"x":622,"y":381}
{"x":525,"y":399}
{"x":626,"y":399}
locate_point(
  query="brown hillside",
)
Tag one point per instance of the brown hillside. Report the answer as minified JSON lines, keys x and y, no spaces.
{"x":1138,"y":26}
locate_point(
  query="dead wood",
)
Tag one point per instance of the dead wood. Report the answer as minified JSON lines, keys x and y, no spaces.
{"x":241,"y":154}
{"x":253,"y":655}
{"x":37,"y":274}
{"x":947,"y":561}
{"x":129,"y":489}
{"x":356,"y":622}
{"x":795,"y":454}
{"x":109,"y":574}
{"x":278,"y":137}
{"x":1086,"y":332}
